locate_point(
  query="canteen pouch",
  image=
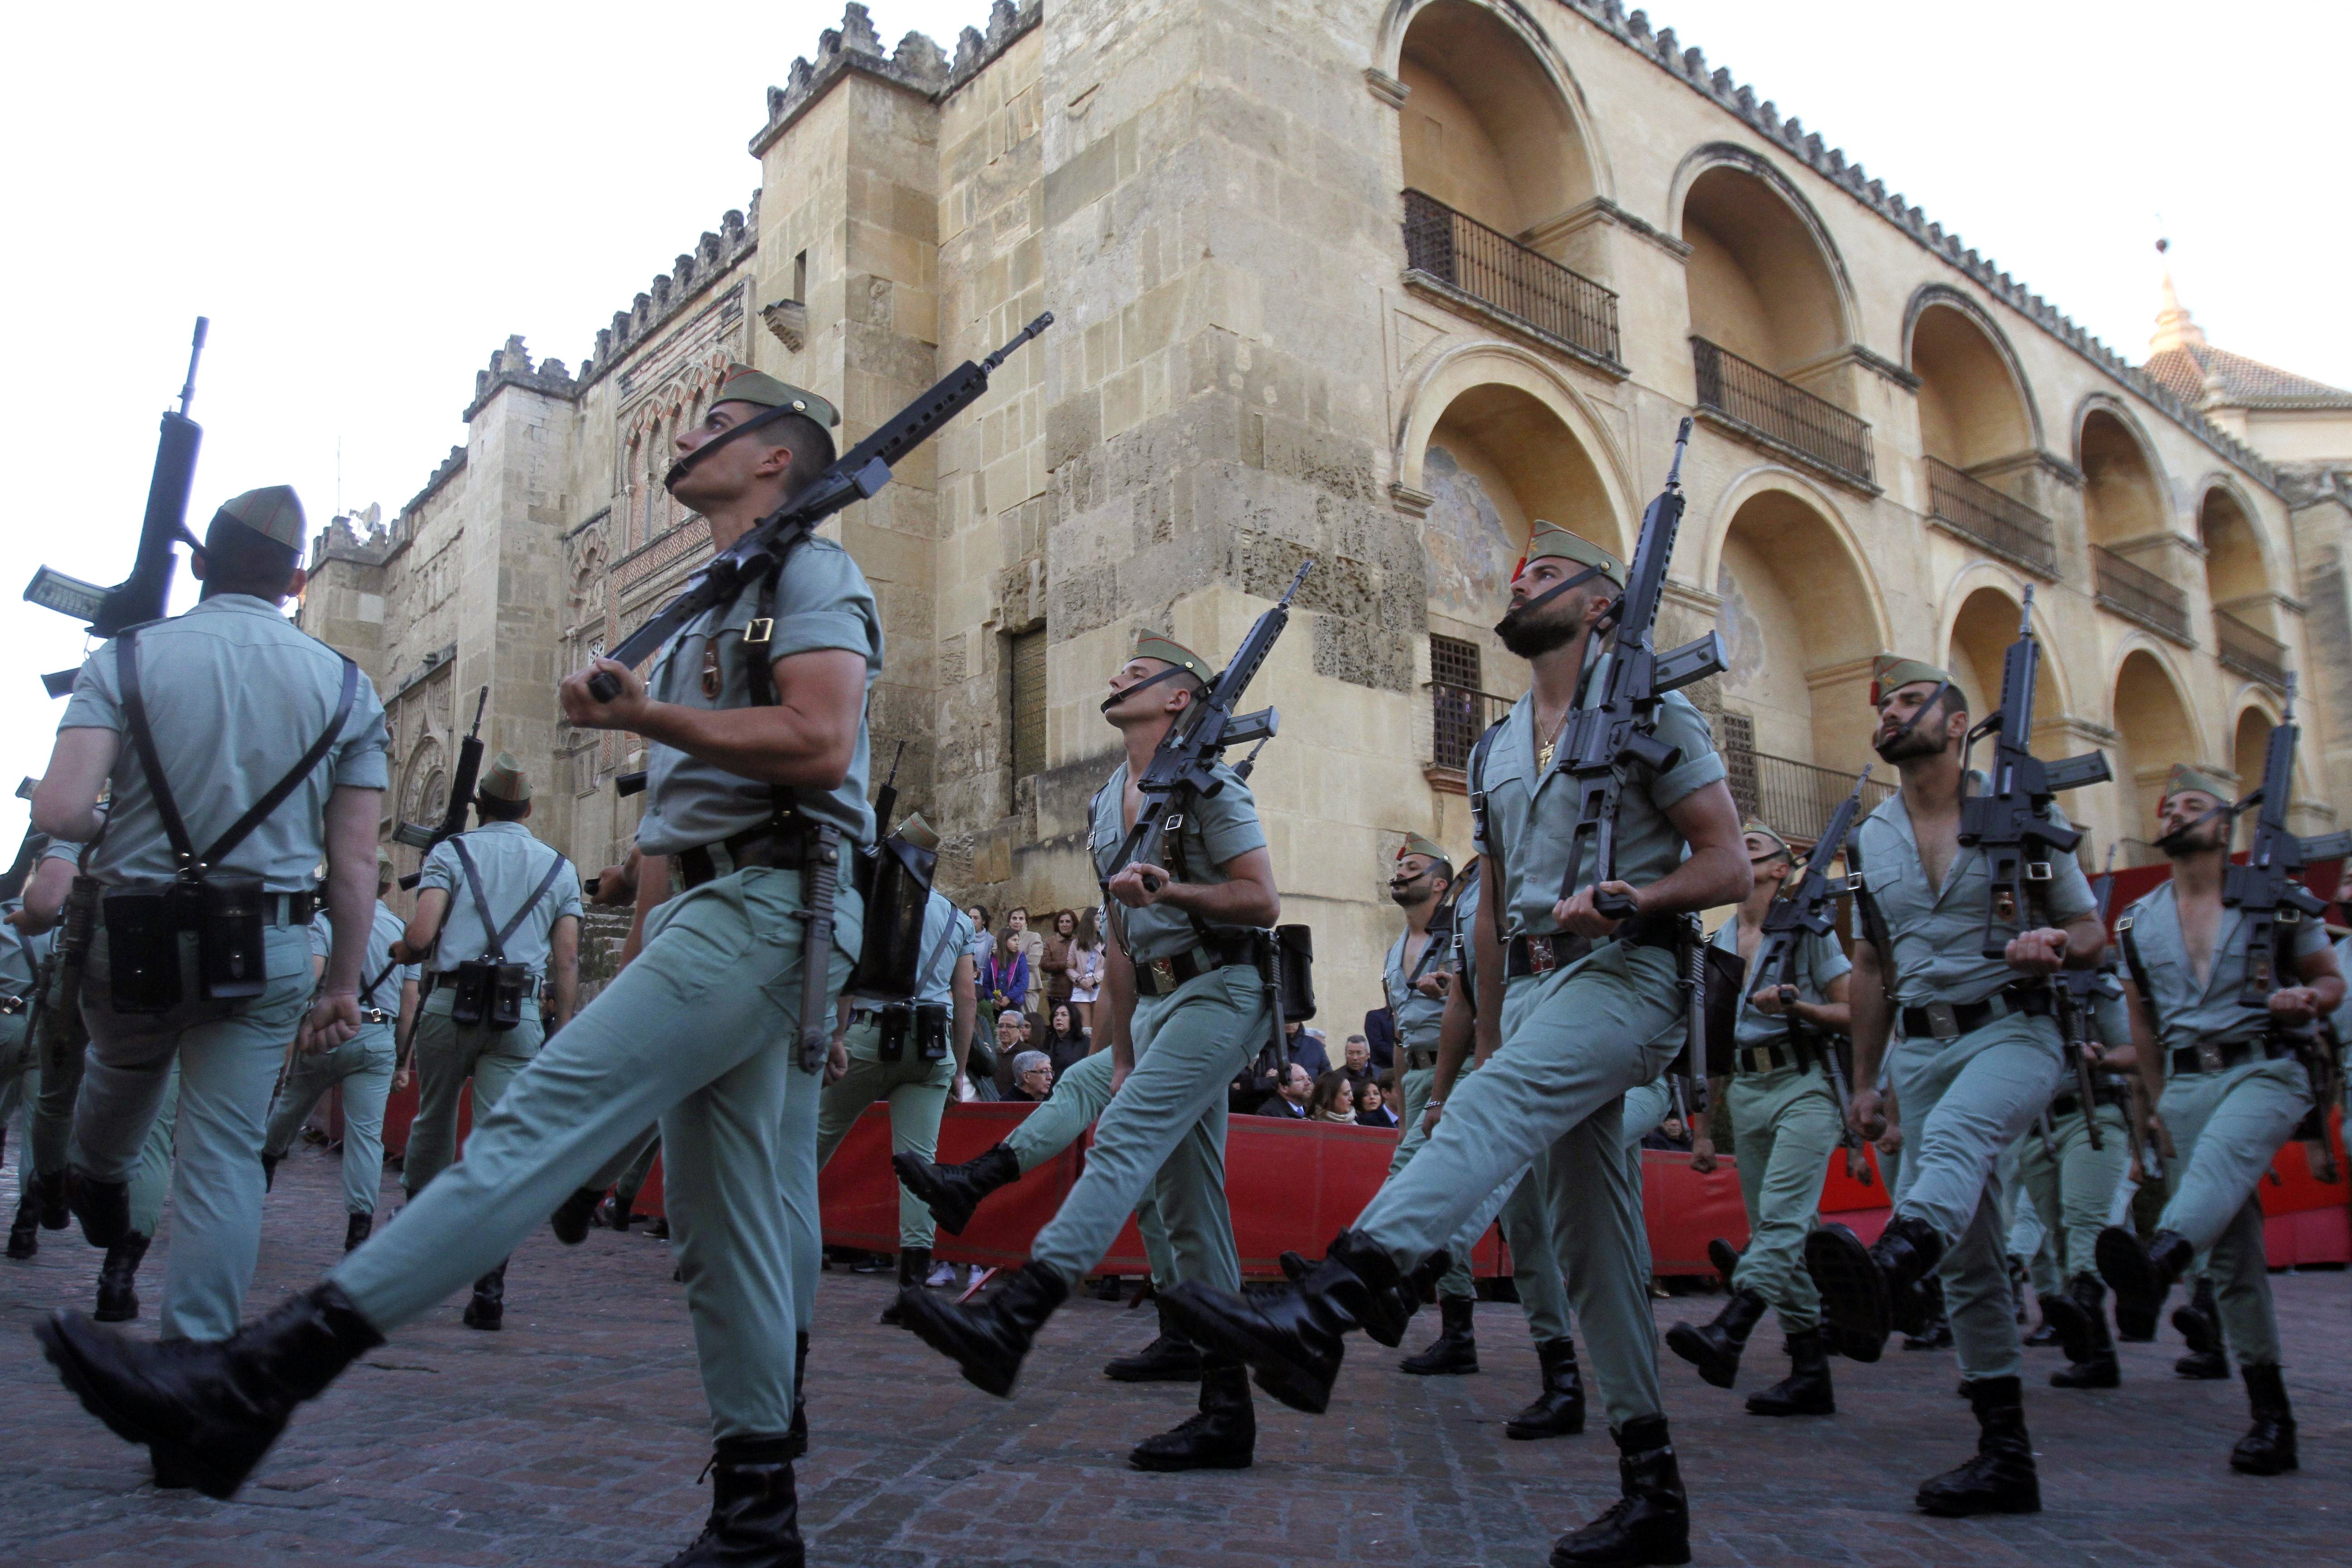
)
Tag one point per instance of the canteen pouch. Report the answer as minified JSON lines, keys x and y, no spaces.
{"x":890,"y":1032}
{"x":1294,"y":952}
{"x":142,"y":947}
{"x":932,"y":1031}
{"x":486,"y":994}
{"x":230,"y":937}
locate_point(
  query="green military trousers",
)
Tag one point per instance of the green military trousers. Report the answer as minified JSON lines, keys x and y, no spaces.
{"x":1077,"y":1099}
{"x":1574,"y":1043}
{"x":1416,"y":1084}
{"x":1164,"y":1133}
{"x":2227,"y":1127}
{"x":2072,"y":1186}
{"x":701,"y":1031}
{"x":917,"y":1091}
{"x":362,"y":1065}
{"x":1964,"y":1102}
{"x":20,"y":1084}
{"x":447,"y":1054}
{"x":1784,"y":1128}
{"x":228,"y":1061}
{"x":60,"y":1053}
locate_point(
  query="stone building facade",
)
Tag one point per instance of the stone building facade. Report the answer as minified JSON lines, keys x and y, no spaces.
{"x":1375,"y":282}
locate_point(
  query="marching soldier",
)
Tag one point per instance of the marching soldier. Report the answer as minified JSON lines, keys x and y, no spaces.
{"x":497,"y":912}
{"x":1785,"y":1121}
{"x":1980,"y":1051}
{"x":364,"y":1066}
{"x":911,"y":1056}
{"x":241,"y":752}
{"x":2071,"y":1187}
{"x":22,"y":953}
{"x":1577,"y":1030}
{"x":755,"y":725}
{"x":2227,"y":1086}
{"x":1185,"y":980}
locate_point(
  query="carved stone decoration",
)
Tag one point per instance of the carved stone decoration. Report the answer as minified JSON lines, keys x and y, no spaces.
{"x":1470,"y":547}
{"x":788,"y":320}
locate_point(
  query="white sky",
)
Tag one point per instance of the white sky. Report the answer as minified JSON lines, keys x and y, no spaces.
{"x":366,"y":202}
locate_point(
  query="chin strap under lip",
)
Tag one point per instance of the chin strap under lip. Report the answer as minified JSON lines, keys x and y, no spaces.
{"x":679,"y":470}
{"x":2175,"y":839}
{"x":1919,"y":713}
{"x":1116,"y":698}
{"x":1557,"y":589}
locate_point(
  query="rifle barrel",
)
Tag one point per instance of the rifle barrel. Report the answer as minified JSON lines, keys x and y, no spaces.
{"x":195,"y":352}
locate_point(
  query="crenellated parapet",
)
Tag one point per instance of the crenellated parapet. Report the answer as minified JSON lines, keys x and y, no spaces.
{"x":713,"y":256}
{"x":1689,"y":65}
{"x":917,"y":64}
{"x":512,"y":366}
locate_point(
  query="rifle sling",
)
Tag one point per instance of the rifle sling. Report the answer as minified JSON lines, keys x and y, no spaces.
{"x":497,"y":950}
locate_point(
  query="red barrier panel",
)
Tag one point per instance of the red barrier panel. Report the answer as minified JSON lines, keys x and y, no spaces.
{"x":2304,"y":1219}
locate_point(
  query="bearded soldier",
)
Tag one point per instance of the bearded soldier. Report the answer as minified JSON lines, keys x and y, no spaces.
{"x":2227,"y":1085}
{"x":755,"y":721}
{"x":1569,"y":1031}
{"x":1980,"y":1051}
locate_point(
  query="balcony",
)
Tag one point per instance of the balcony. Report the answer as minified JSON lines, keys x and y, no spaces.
{"x":1793,"y":799}
{"x":1984,"y":516}
{"x":1458,"y":716}
{"x":2252,"y":652}
{"x":1472,"y":264}
{"x":1782,"y":414}
{"x":2137,"y":594}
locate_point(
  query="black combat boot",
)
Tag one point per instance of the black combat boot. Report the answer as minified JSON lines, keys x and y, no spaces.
{"x":2141,"y":1274}
{"x":118,"y":1300}
{"x":2045,"y":1333}
{"x":25,"y":1231}
{"x":2091,"y":1359}
{"x":488,"y":1310}
{"x":755,"y":1510}
{"x":1292,"y":1336}
{"x":1559,"y":1410}
{"x":2199,"y":1324}
{"x":914,"y":1268}
{"x":1651,"y":1522}
{"x":1724,"y":1258}
{"x":1867,"y":1293}
{"x":1934,"y":1330}
{"x":357,"y":1229}
{"x":989,"y":1338}
{"x":209,"y":1411}
{"x":569,"y":1222}
{"x":2268,"y":1447}
{"x":614,"y":1214}
{"x":56,"y":1211}
{"x":103,"y":1208}
{"x":270,"y":1171}
{"x":953,"y":1192}
{"x":1455,"y":1352}
{"x":796,"y":1436}
{"x":1223,"y":1436}
{"x":1806,"y":1390}
{"x":1715,"y":1349}
{"x":2001,"y":1478}
{"x":1170,"y":1358}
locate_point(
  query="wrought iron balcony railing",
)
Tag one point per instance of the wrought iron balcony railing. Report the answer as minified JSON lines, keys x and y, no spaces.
{"x":1497,"y":270}
{"x":2249,"y":650}
{"x":1793,"y":798}
{"x":2130,"y":589}
{"x":1458,"y":716}
{"x":1782,"y":412}
{"x":2000,"y":524}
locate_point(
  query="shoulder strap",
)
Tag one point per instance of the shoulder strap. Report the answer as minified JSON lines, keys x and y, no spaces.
{"x":496,"y":952}
{"x":367,"y":992}
{"x":932,"y":957}
{"x":529,"y":903}
{"x":2130,"y":944}
{"x":1490,"y":840}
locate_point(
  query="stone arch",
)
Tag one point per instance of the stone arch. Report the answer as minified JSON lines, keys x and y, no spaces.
{"x":1980,"y":618}
{"x":1975,"y":404}
{"x":2155,"y":728}
{"x":1440,"y":386}
{"x":425,"y":783}
{"x":1521,"y":113}
{"x":1777,"y":549}
{"x":2238,"y":574}
{"x":2124,"y":487}
{"x":1765,"y":279}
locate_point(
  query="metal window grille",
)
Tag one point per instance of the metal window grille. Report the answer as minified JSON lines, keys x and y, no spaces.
{"x":1458,"y":709}
{"x":1027,"y":677}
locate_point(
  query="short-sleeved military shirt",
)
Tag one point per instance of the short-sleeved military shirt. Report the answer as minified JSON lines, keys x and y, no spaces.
{"x":1820,"y":963}
{"x":20,"y":955}
{"x":1534,"y":811}
{"x":235,"y":695}
{"x":1216,"y":828}
{"x":384,"y":928}
{"x":2186,"y":1010}
{"x":821,"y":602}
{"x":511,"y":863}
{"x":1419,"y":1017}
{"x":1940,"y":932}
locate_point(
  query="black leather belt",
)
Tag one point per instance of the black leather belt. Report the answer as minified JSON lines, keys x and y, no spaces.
{"x":2108,"y":1093}
{"x":2207,"y":1058}
{"x":1762,"y":1058}
{"x":1542,"y":955}
{"x":1161,"y":977}
{"x":784,"y":847}
{"x":374,"y":1016}
{"x":1950,"y":1020}
{"x":288,"y":909}
{"x":1417,"y":1060}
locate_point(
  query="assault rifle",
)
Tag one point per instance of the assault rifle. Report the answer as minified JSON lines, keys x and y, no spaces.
{"x":2010,"y":825}
{"x":859,"y":473}
{"x":139,"y":597}
{"x":418,"y":836}
{"x":1810,"y":908}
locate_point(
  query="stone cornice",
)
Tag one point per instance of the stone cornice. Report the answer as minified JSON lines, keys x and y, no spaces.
{"x":1385,"y":88}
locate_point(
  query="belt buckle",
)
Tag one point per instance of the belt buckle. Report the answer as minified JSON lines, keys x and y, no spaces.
{"x":2209,"y":1057}
{"x":1943,"y":1021}
{"x":1163,"y":975}
{"x":1540,"y":960}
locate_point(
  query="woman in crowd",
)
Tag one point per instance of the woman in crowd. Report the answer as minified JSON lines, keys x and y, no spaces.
{"x":1087,"y":967}
{"x":1005,"y":980}
{"x":1372,"y":1105}
{"x":1061,"y":949}
{"x":1334,"y":1099}
{"x":1064,"y":1043}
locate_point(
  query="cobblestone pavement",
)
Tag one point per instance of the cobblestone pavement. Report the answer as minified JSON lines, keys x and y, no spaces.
{"x":575,"y":1437}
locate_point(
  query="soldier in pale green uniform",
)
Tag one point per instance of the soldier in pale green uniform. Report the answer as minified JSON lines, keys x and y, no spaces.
{"x":917,"y":1071}
{"x":1980,"y":1060}
{"x":493,"y":895}
{"x":2071,"y":1187}
{"x":1189,"y":1007}
{"x":1576,"y":1031}
{"x":2228,"y":1086}
{"x":1785,"y":1121}
{"x":21,"y":954}
{"x":363,"y":1064}
{"x":234,"y":741}
{"x":759,"y":760}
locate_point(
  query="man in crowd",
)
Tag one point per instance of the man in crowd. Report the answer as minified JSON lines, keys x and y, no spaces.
{"x":1290,"y":1101}
{"x":1033,"y":1077}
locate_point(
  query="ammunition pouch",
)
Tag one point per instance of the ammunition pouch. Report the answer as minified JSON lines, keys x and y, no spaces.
{"x":896,"y":882}
{"x":1292,"y":952}
{"x":925,"y":1023}
{"x":487,"y":995}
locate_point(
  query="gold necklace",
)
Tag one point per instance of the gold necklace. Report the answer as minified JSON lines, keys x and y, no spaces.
{"x":1543,"y":753}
